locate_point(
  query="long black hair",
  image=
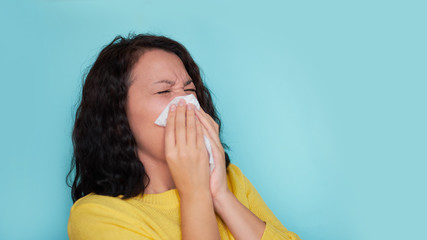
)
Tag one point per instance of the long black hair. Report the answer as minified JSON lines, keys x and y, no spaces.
{"x":105,"y":156}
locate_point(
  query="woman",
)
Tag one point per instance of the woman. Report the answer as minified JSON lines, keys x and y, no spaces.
{"x":136,"y":180}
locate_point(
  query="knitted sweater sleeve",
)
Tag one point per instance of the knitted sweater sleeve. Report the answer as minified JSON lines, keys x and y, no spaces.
{"x":274,"y":228}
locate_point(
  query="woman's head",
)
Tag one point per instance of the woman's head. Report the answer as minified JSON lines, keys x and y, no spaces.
{"x":156,"y":79}
{"x":125,"y":90}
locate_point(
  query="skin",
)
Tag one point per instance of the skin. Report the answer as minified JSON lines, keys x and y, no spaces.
{"x":176,"y":157}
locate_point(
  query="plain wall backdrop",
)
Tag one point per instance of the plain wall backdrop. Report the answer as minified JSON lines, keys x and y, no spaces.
{"x":323,"y":104}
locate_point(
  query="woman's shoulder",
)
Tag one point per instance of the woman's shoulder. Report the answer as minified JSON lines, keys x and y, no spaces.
{"x":97,"y":216}
{"x":93,"y":203}
{"x":234,"y":171}
{"x":93,"y":198}
{"x":233,"y":166}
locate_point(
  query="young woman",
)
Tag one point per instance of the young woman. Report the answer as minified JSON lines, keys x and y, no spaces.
{"x":137,"y":180}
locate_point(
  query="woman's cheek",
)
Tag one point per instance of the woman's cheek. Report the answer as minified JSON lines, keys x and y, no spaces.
{"x":156,"y":108}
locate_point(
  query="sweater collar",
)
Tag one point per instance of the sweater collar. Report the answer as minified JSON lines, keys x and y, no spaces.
{"x":168,"y":198}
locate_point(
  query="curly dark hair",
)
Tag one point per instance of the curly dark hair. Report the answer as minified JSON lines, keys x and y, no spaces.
{"x":105,"y":156}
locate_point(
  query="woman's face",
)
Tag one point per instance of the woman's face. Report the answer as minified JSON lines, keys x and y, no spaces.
{"x":157,"y":78}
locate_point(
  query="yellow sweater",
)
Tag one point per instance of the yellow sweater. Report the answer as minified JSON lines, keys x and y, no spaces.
{"x":157,"y":216}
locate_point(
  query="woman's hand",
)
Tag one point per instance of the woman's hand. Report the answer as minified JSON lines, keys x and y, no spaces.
{"x":185,"y":150}
{"x":242,"y":223}
{"x":218,"y":178}
{"x":188,"y":163}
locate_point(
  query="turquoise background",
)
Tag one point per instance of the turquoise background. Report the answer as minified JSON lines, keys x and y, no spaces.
{"x":323,"y":105}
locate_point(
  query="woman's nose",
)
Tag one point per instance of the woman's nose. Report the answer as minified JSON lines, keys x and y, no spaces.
{"x":177,"y":93}
{"x":180,"y":92}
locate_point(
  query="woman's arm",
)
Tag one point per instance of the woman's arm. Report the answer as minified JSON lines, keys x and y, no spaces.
{"x":256,"y":221}
{"x":242,"y":223}
{"x":274,"y":229}
{"x":198,"y":219}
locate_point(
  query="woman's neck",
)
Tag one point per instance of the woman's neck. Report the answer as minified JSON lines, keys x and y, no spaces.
{"x":158,"y":171}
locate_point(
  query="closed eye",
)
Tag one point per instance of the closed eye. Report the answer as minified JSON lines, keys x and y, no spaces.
{"x":194,"y":90}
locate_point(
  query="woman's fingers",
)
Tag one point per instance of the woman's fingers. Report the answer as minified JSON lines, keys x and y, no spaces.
{"x":210,"y":119}
{"x":209,"y":129}
{"x":191,"y":126}
{"x":200,"y":141}
{"x":170,"y":129}
{"x":211,"y":139}
{"x":180,"y":124}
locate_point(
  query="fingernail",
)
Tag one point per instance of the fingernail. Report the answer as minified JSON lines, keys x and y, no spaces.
{"x":189,"y":106}
{"x":181,"y":102}
{"x":173,"y":107}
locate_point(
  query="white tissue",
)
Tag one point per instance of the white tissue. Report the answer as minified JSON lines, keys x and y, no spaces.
{"x":162,"y":119}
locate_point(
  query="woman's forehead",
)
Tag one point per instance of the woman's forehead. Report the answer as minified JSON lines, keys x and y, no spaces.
{"x":156,"y":65}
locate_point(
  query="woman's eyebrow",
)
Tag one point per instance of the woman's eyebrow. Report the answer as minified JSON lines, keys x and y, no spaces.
{"x":172,"y":82}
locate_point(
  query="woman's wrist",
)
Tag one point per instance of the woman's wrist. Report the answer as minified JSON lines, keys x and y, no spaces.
{"x":220,"y":200}
{"x":201,"y":193}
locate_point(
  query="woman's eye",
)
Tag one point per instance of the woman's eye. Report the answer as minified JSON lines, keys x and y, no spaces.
{"x":194,"y":90}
